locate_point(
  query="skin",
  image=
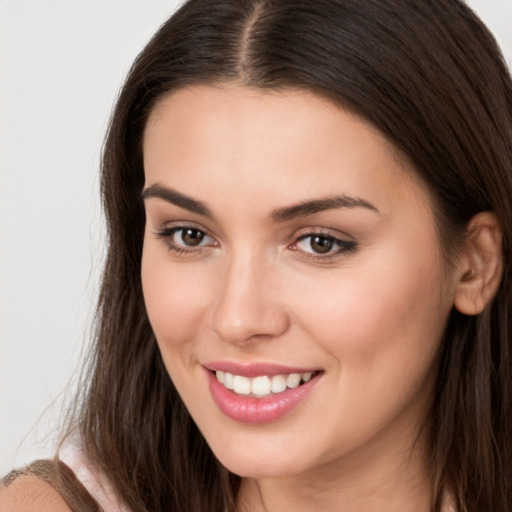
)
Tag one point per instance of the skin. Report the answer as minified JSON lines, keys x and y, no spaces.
{"x":371,"y":319}
{"x":29,"y":494}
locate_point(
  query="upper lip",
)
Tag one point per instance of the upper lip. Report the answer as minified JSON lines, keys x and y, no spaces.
{"x":255,"y":369}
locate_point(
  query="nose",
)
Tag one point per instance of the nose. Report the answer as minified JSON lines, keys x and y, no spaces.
{"x":248,"y":306}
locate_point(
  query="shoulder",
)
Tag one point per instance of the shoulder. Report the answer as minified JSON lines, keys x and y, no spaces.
{"x":28,"y":493}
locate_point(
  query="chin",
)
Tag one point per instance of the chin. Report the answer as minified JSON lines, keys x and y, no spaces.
{"x":259,"y":460}
{"x":255,"y":467}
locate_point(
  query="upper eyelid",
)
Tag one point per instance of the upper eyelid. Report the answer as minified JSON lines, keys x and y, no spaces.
{"x":335,"y":239}
{"x":171,"y":230}
{"x":323,"y":231}
{"x":176,"y":225}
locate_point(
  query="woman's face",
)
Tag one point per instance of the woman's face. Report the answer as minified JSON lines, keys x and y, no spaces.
{"x":288,"y":249}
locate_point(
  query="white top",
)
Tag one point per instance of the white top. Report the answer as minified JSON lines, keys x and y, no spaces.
{"x":102,"y":491}
{"x":92,"y":478}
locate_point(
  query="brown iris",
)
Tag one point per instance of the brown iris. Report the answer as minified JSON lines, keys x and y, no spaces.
{"x":192,"y":237}
{"x":320,"y":244}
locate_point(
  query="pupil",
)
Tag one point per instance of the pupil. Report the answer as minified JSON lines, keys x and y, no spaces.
{"x":192,"y":236}
{"x":321,"y":245}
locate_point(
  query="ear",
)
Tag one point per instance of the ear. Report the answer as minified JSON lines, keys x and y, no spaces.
{"x":480,"y":265}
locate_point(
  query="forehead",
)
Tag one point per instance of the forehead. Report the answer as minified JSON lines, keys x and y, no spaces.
{"x":255,"y":113}
{"x":286,"y":145}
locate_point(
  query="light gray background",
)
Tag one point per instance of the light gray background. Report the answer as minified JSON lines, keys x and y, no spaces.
{"x":61,"y":65}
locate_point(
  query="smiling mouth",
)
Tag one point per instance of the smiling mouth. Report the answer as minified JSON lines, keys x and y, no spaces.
{"x":263,"y":386}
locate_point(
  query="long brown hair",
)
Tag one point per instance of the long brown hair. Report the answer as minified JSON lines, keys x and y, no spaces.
{"x":430,"y":77}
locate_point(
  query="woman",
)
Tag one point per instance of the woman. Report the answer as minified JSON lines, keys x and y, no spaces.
{"x":309,"y":218}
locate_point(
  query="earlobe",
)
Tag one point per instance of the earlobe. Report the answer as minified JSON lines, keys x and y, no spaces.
{"x":480,"y":265}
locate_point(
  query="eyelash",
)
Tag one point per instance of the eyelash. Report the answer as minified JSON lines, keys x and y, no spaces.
{"x":345,"y":247}
{"x":167,"y":234}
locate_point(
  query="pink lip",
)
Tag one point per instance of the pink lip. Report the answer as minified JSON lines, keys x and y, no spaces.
{"x":247,"y":409}
{"x":255,"y":369}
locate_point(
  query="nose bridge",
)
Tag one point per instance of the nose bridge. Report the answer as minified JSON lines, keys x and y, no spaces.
{"x":246,"y":306}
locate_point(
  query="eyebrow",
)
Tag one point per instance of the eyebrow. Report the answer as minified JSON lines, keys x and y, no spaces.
{"x":319,"y":205}
{"x":285,"y":214}
{"x":176,"y":198}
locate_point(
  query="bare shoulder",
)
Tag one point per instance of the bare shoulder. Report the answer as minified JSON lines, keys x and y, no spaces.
{"x":28,"y":493}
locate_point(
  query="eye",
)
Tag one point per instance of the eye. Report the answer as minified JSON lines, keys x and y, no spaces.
{"x":316,"y":243}
{"x":189,"y":237}
{"x":185,"y":239}
{"x":320,"y":244}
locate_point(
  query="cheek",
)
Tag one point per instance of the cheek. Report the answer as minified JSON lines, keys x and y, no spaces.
{"x":175,"y":298}
{"x":371,"y":316}
{"x":381,"y":328}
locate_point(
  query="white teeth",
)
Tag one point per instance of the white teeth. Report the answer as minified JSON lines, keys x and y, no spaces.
{"x":261,"y":386}
{"x":228,"y":380}
{"x":241,"y":385}
{"x":278,"y":383}
{"x":293,"y":380}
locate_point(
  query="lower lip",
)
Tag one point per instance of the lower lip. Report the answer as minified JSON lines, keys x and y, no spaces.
{"x":248,"y":409}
